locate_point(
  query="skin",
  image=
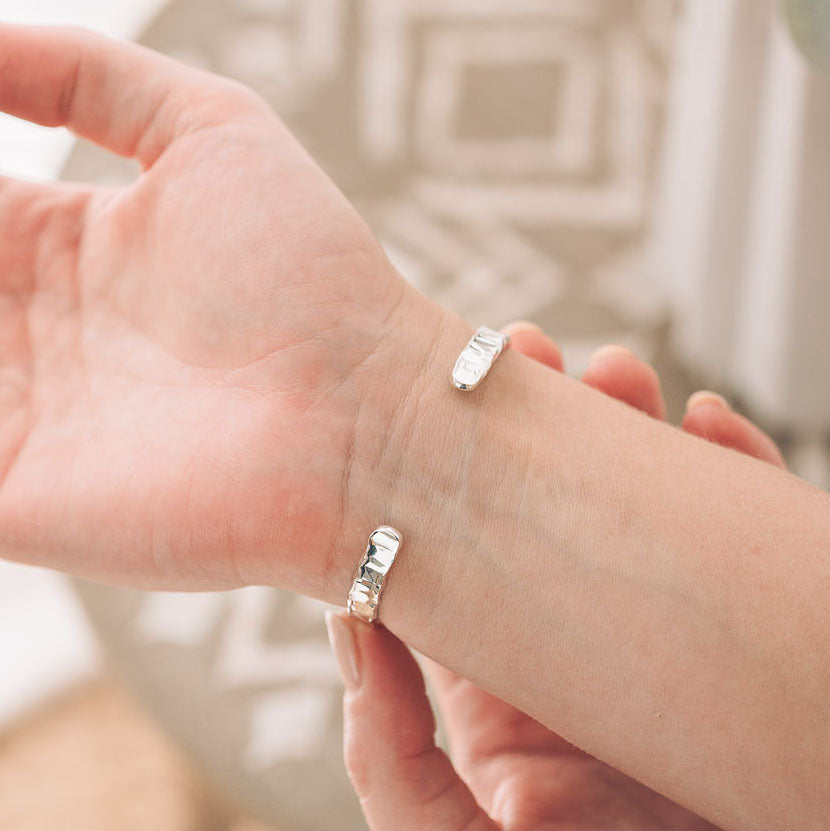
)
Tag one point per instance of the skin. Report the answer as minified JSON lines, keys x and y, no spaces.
{"x":214,"y":377}
{"x":135,"y":325}
{"x":507,"y":770}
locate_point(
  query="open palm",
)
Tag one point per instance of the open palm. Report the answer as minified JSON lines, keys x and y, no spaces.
{"x":180,"y":360}
{"x":508,"y":771}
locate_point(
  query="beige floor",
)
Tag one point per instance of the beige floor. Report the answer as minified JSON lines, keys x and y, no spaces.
{"x":94,"y":761}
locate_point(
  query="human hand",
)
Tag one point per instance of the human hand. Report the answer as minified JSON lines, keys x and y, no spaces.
{"x":510,"y":772}
{"x":183,"y":361}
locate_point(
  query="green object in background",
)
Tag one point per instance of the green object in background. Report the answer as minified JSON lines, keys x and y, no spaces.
{"x":810,"y":24}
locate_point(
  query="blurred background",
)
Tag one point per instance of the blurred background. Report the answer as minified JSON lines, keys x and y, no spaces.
{"x":645,"y":172}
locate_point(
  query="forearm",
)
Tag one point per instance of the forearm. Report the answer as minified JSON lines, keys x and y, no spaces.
{"x":630,"y":586}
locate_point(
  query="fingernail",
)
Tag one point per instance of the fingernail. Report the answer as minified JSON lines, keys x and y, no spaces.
{"x":344,"y":646}
{"x":610,"y":350}
{"x":707,"y":397}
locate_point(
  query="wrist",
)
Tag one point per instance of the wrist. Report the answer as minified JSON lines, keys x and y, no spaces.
{"x":447,"y":468}
{"x":400,"y":458}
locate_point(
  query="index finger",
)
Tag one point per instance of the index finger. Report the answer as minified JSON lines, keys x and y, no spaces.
{"x":129,"y":99}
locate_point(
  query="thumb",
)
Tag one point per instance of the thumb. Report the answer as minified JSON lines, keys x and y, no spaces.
{"x":405,"y":782}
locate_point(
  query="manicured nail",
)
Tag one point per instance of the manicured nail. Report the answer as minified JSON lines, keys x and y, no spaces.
{"x":707,"y":397}
{"x":344,"y":646}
